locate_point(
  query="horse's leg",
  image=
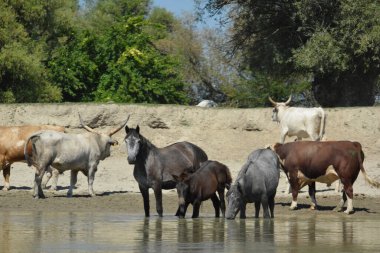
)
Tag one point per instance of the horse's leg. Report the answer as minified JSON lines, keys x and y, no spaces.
{"x":158,"y":194}
{"x":257,"y":208}
{"x":196,"y":207}
{"x":222,"y":201}
{"x":145,"y":194}
{"x":216,"y":204}
{"x":264,"y":203}
{"x":6,"y":174}
{"x":271,"y":205}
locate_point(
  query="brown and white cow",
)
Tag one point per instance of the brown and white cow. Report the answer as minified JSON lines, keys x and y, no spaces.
{"x":12,"y":141}
{"x":307,"y":162}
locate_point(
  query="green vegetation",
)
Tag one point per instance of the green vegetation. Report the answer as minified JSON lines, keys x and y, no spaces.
{"x":333,"y":45}
{"x":327,"y":52}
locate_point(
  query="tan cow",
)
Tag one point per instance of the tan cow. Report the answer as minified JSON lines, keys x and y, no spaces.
{"x":12,"y":141}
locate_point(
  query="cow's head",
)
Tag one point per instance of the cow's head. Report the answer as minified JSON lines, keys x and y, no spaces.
{"x":104,"y":140}
{"x":134,"y":142}
{"x":234,"y":200}
{"x":279,"y":108}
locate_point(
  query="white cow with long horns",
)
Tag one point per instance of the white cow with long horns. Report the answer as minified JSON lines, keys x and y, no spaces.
{"x":299,"y":121}
{"x":75,"y":152}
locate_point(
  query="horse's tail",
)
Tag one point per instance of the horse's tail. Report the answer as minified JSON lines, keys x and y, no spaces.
{"x":228,"y":178}
{"x":323,"y":124}
{"x":361,"y":160}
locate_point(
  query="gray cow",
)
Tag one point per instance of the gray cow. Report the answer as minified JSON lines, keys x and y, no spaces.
{"x":75,"y":152}
{"x":256,"y":182}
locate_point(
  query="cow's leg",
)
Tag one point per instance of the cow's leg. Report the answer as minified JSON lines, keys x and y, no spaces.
{"x":216,"y":204}
{"x":51,"y":172}
{"x":6,"y":174}
{"x":38,"y":193}
{"x":157,"y":188}
{"x":196,"y":207}
{"x":338,"y":186}
{"x":46,"y":178}
{"x":339,"y":207}
{"x":73,"y":181}
{"x":312,"y":191}
{"x":145,"y":194}
{"x":271,"y":205}
{"x":288,"y":187}
{"x":222,"y":202}
{"x":54,"y":183}
{"x":295,"y":187}
{"x":242,"y":210}
{"x":257,"y":208}
{"x":350,"y":195}
{"x":90,"y":179}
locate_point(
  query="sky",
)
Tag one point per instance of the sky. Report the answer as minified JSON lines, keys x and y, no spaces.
{"x":176,"y":6}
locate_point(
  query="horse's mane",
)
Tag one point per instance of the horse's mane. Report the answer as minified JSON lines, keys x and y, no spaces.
{"x":146,"y":147}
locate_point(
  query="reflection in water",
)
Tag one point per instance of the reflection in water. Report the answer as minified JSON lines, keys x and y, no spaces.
{"x":115,"y":232}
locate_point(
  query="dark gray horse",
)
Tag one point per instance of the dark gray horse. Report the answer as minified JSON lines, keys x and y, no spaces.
{"x":154,"y":166}
{"x":256,"y":182}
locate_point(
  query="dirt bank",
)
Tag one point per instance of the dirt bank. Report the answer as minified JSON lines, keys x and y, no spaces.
{"x":227,"y":135}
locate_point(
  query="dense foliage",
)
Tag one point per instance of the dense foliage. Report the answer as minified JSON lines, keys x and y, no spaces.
{"x":102,"y":51}
{"x":334,"y":44}
{"x":128,"y":51}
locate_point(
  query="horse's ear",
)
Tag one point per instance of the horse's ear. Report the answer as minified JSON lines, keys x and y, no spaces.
{"x":138,"y":129}
{"x":126,"y":129}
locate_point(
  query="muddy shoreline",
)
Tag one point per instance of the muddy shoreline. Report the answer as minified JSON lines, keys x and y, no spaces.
{"x":131,"y":203}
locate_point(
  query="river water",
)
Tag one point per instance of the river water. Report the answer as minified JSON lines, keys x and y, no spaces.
{"x":119,"y":232}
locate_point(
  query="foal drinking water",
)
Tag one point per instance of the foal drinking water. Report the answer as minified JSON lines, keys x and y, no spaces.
{"x":201,"y":185}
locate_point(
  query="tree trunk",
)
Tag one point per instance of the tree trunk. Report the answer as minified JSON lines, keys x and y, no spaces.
{"x":349,"y":89}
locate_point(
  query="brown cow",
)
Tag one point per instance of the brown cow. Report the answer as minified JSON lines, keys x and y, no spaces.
{"x":12,"y":141}
{"x":307,"y":162}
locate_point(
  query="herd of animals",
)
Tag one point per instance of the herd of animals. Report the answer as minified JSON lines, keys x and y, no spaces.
{"x":186,"y":167}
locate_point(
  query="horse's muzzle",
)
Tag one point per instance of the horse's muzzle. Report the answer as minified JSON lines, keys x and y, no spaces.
{"x":131,"y":160}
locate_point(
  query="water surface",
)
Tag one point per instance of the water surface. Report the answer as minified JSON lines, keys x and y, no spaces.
{"x":120,"y":232}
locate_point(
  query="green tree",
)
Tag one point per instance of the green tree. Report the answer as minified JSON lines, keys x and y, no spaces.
{"x":23,"y":74}
{"x":135,"y":70}
{"x":335,"y":44}
{"x":114,"y":57}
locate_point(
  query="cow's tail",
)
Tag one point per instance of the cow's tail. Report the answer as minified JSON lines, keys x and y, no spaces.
{"x":28,"y":159}
{"x":323,"y":124}
{"x":366,"y":177}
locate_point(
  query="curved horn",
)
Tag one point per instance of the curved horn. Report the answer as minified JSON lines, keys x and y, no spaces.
{"x":288,"y":101}
{"x":112,"y":132}
{"x":85,"y":126}
{"x":271,"y":100}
